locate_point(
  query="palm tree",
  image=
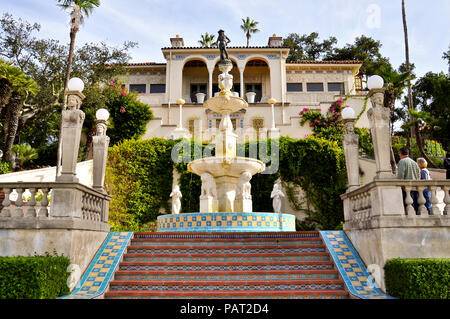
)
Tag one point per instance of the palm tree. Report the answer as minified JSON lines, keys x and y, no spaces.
{"x":415,"y":127}
{"x":249,"y":27}
{"x":395,"y":85}
{"x":19,"y":87}
{"x":25,"y":153}
{"x":207,"y":40}
{"x":79,"y":7}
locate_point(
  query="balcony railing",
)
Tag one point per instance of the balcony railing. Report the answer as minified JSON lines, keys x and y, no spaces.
{"x":393,"y":198}
{"x":92,"y":205}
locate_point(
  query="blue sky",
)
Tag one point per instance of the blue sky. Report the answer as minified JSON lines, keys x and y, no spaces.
{"x":153,"y":22}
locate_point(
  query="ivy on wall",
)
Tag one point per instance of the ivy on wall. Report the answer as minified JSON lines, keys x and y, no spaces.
{"x":139,"y":177}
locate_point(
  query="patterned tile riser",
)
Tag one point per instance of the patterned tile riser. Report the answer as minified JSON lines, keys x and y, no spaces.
{"x":223,"y":267}
{"x":242,"y":236}
{"x":214,"y":243}
{"x":224,"y":251}
{"x":233,"y":297}
{"x":228,"y":277}
{"x":225,"y":259}
{"x":188,"y":288}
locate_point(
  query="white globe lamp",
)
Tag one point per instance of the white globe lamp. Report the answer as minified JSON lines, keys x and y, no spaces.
{"x":102,"y":115}
{"x":348,"y":113}
{"x":75,"y":84}
{"x":375,"y":82}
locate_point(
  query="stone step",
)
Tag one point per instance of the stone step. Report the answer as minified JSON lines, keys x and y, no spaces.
{"x":267,"y":294}
{"x":193,"y":258}
{"x":225,"y":249}
{"x":226,"y":242}
{"x":228,"y":285}
{"x":226,"y":266}
{"x":226,"y":275}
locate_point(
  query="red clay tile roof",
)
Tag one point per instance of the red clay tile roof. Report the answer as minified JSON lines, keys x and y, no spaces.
{"x":240,"y":47}
{"x":144,"y":64}
{"x":326,"y":62}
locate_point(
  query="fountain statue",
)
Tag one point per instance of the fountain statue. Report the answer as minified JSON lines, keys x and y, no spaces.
{"x":225,"y":200}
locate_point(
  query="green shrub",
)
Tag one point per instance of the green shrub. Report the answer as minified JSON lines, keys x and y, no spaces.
{"x":129,"y":116}
{"x":139,"y":178}
{"x":5,"y":167}
{"x":418,"y":278}
{"x":38,"y":277}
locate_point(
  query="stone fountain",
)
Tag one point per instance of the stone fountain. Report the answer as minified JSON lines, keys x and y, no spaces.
{"x":225,"y":200}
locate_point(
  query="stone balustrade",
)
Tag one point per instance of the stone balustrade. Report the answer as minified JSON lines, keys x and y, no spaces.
{"x":89,"y":204}
{"x":384,"y":198}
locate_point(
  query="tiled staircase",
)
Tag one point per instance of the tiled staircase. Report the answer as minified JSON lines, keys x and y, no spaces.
{"x":227,"y":265}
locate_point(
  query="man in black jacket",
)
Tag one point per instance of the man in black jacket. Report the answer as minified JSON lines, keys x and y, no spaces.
{"x":447,"y":165}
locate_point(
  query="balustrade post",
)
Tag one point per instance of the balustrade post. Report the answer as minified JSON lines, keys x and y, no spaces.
{"x":409,"y":201}
{"x":18,"y":213}
{"x":446,"y":201}
{"x":422,"y":211}
{"x":43,"y":211}
{"x":31,"y":211}
{"x":6,"y":203}
{"x":434,"y":201}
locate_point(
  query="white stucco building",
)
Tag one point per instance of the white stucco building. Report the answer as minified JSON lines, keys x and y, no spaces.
{"x":262,"y":70}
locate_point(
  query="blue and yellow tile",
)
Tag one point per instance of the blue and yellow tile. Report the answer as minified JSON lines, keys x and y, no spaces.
{"x":101,"y":270}
{"x":350,"y":266}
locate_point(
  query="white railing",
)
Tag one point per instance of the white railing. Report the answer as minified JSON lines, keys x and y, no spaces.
{"x":384,"y":198}
{"x":37,"y":202}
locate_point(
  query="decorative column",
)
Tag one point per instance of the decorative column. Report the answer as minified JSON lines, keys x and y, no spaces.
{"x":180,"y":132}
{"x":72,"y":123}
{"x":241,"y":75}
{"x":351,"y":149}
{"x":100,"y":150}
{"x":210,"y":83}
{"x":273,"y":131}
{"x":67,"y":202}
{"x":379,"y":117}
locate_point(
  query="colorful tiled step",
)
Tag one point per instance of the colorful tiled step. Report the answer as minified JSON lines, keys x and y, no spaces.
{"x":268,"y":294}
{"x":226,"y":275}
{"x":151,"y":242}
{"x":263,"y":257}
{"x":227,"y":265}
{"x":141,"y":285}
{"x":224,"y":249}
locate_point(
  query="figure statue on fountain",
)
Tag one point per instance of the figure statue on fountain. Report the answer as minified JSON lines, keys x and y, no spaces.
{"x":276,"y":194}
{"x":222,"y":41}
{"x":176,"y":200}
{"x":244,"y":187}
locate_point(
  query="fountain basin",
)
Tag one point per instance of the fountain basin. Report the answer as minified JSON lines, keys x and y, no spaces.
{"x":226,"y":222}
{"x":226,"y":166}
{"x":225,"y":104}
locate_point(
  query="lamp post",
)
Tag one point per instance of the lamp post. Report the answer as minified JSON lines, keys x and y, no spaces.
{"x":100,"y":149}
{"x":379,"y":117}
{"x":71,"y":124}
{"x":180,"y":132}
{"x":272,"y":101}
{"x":181,"y":102}
{"x":273,"y":131}
{"x":350,"y":142}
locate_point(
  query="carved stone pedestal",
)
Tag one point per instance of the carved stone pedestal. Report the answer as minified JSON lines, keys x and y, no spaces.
{"x":243,"y":205}
{"x":208,"y":205}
